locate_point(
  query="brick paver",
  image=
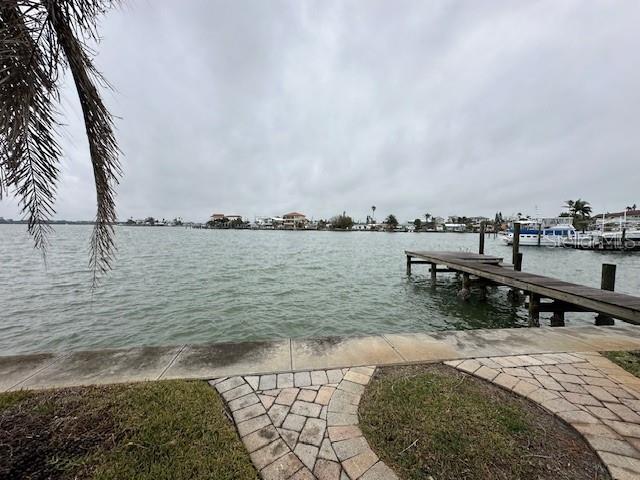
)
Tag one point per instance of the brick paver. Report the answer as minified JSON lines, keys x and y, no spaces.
{"x":598,"y":398}
{"x":304,"y":425}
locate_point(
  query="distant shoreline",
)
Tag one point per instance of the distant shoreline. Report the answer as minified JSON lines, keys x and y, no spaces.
{"x":87,"y":222}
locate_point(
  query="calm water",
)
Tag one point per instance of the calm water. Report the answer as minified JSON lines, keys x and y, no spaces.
{"x":174,"y":285}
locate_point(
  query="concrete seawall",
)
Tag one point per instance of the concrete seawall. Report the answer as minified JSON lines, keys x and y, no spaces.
{"x":205,"y":361}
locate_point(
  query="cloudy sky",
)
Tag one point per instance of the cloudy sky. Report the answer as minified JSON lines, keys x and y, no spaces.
{"x":447,"y":107}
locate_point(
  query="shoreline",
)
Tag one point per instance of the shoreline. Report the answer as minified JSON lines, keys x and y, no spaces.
{"x":205,"y":361}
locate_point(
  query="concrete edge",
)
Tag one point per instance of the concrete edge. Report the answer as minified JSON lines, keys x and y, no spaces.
{"x":336,"y":354}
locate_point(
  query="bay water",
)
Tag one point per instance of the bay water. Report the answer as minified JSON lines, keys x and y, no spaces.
{"x":173,"y":285}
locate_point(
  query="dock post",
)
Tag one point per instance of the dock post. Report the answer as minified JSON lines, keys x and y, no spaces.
{"x":607,"y":282}
{"x":434,"y":269}
{"x":539,"y":233}
{"x":516,"y":242}
{"x":557,"y":319}
{"x":465,"y":293}
{"x":481,"y":247}
{"x":534,"y":309}
{"x":517,"y":266}
{"x":408,"y":264}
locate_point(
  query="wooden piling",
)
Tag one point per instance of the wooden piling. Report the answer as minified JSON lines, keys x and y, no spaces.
{"x":465,"y":293}
{"x":539,"y":234}
{"x":557,"y":319}
{"x":481,"y":246}
{"x":534,"y":310}
{"x":408,"y":264}
{"x":607,"y":282}
{"x":434,"y":270}
{"x":516,"y":242}
{"x":517,"y":265}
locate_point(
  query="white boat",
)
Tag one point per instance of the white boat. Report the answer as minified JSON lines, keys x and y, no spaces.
{"x":543,"y":232}
{"x":627,"y":240}
{"x":611,"y":235}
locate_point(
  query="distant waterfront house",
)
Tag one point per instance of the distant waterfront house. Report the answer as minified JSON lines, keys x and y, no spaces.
{"x":234,"y":217}
{"x":455,"y":227}
{"x":269,"y":223}
{"x":628,"y":218}
{"x":217,"y":217}
{"x":294,"y":220}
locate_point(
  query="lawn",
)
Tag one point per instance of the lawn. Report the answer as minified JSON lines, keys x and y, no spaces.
{"x":434,"y":422}
{"x":630,"y":361}
{"x":156,"y":430}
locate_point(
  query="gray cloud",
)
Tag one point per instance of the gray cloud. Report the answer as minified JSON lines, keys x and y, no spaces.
{"x":447,"y":107}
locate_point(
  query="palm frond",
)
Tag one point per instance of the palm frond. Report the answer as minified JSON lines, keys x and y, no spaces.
{"x":97,"y":119}
{"x":29,"y":151}
{"x":38,"y":38}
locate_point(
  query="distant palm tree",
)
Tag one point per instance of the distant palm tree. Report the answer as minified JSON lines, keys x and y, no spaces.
{"x":38,"y":39}
{"x":373,"y":213}
{"x":427,"y":216}
{"x":391,"y":221}
{"x":579,"y":208}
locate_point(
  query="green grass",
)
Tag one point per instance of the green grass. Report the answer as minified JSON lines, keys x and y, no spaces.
{"x":156,"y":430}
{"x":630,"y":361}
{"x":434,"y":422}
{"x":9,"y":399}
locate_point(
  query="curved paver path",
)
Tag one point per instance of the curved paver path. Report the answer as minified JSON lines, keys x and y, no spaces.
{"x":598,"y":398}
{"x":304,"y":425}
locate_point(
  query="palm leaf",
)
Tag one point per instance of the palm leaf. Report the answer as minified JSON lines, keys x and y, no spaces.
{"x":37,"y":39}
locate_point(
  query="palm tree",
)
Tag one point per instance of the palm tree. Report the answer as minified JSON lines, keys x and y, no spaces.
{"x":427,"y":216}
{"x":38,"y":39}
{"x":582,"y":208}
{"x":579,"y":208}
{"x":391,"y":221}
{"x":580,"y":211}
{"x":373,"y":213}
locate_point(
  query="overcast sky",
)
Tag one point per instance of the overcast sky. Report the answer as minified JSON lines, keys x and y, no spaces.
{"x":447,"y":107}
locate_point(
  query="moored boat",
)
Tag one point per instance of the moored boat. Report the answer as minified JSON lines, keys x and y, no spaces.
{"x":544,"y":232}
{"x":621,"y":240}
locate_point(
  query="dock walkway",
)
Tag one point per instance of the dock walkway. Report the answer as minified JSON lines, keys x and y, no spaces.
{"x":566,"y":296}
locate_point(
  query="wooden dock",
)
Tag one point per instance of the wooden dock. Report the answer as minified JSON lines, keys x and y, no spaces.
{"x":483,"y":270}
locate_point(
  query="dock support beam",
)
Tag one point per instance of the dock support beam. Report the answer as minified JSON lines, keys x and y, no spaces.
{"x":481,"y":246}
{"x":534,"y":309}
{"x":408,"y":265}
{"x":434,"y":270}
{"x":607,"y":282}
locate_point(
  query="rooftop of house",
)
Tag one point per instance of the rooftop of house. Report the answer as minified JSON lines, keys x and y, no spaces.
{"x":630,"y":213}
{"x":294,"y":214}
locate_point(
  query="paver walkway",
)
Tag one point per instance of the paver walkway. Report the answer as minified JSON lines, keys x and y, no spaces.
{"x":304,"y":425}
{"x":598,"y":398}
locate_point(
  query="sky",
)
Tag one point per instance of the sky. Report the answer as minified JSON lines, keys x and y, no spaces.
{"x":443,"y":107}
